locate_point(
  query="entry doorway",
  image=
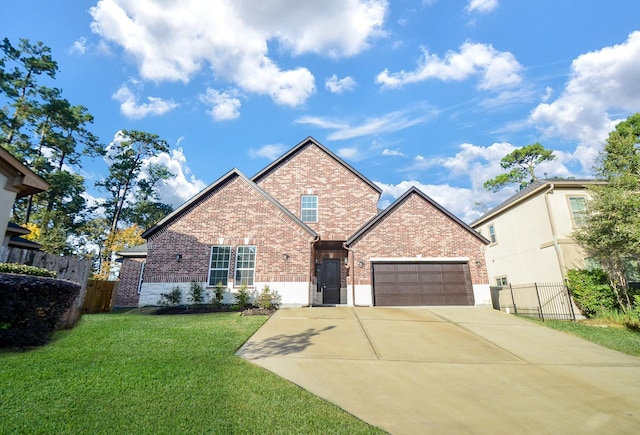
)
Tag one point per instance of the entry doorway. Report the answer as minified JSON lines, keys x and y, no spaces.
{"x":329,"y":281}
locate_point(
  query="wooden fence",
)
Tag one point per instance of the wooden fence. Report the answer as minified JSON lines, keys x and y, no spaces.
{"x":69,"y":268}
{"x":99,"y":296}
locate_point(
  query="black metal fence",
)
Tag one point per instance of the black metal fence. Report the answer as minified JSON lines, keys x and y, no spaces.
{"x":544,"y":301}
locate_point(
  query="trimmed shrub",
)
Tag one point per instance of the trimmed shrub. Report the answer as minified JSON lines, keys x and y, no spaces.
{"x":31,"y":307}
{"x":591,"y":291}
{"x":267,"y":299}
{"x":172,"y":298}
{"x":242,"y":297}
{"x":195,"y":295}
{"x":23,"y":269}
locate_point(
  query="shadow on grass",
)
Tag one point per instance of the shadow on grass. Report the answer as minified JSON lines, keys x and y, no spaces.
{"x":280,"y":345}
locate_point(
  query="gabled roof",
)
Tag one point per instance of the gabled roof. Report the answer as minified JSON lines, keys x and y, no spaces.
{"x":309,"y":140}
{"x":396,"y":204}
{"x":26,"y":182}
{"x":533,"y":189}
{"x":191,"y":203}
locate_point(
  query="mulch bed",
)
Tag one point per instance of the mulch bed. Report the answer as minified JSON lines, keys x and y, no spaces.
{"x":182,"y":309}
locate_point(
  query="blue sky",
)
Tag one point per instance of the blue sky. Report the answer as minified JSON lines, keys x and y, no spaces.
{"x":429,"y":93}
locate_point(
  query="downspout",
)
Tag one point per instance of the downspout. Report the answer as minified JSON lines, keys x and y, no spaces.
{"x":352,"y":273}
{"x":554,"y":233}
{"x":312,"y":270}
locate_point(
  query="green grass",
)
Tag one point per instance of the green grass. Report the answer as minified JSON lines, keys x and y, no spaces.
{"x":614,"y":337}
{"x":133,"y":373}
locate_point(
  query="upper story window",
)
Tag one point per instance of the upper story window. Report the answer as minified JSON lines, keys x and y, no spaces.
{"x":219,"y":265}
{"x":492,"y":234}
{"x":578,"y":205}
{"x":245,"y":265}
{"x":309,"y":208}
{"x":502,"y":281}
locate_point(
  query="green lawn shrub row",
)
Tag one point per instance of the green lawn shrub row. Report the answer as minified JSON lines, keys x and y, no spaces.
{"x":23,"y":269}
{"x":31,"y":307}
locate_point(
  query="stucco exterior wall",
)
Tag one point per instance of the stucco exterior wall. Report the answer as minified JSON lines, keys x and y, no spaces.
{"x":345,"y":201}
{"x":533,"y":239}
{"x":7,"y":197}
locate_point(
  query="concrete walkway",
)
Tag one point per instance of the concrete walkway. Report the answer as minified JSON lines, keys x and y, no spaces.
{"x":451,"y":370}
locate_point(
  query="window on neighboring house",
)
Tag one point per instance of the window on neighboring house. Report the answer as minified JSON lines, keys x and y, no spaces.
{"x":578,"y":205}
{"x":309,"y":208}
{"x":591,"y":264}
{"x":492,"y":234}
{"x":245,"y":265}
{"x":502,"y":281}
{"x":219,"y":265}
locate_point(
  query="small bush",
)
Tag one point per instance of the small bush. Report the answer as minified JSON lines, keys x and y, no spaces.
{"x":172,"y":298}
{"x":195,"y":295}
{"x":267,"y":299}
{"x":31,"y":307}
{"x":591,"y":291}
{"x":23,"y":269}
{"x":242,"y":297}
{"x":218,"y":294}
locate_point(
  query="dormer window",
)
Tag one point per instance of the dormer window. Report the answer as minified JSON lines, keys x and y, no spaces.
{"x":309,"y":208}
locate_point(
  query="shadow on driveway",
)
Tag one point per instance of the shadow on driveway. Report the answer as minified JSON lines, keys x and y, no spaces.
{"x":282,"y":344}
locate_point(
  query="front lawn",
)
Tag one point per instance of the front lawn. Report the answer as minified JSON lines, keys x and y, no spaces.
{"x":611,"y":336}
{"x":134,"y":373}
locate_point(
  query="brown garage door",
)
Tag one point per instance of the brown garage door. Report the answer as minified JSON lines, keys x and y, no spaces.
{"x":402,"y":284}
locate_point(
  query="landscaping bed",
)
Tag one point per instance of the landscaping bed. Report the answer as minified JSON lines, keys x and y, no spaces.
{"x":204,"y":309}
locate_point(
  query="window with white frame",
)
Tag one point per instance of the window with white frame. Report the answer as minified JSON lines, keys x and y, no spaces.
{"x":309,"y":208}
{"x":501,"y":281}
{"x":219,"y":265}
{"x":245,"y":265}
{"x":578,"y":205}
{"x":492,"y":234}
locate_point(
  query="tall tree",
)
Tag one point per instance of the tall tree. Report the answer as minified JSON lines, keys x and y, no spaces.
{"x":20,"y":68}
{"x":611,"y":234}
{"x":128,"y":155}
{"x":521,"y":163}
{"x":49,"y":135}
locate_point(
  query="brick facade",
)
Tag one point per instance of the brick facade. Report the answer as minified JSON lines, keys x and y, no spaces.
{"x":127,"y":289}
{"x":235,"y":214}
{"x":265,"y":212}
{"x":417,"y":229}
{"x":345,"y":201}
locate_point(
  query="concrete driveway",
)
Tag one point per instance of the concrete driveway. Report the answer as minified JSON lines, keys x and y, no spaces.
{"x":458,"y":370}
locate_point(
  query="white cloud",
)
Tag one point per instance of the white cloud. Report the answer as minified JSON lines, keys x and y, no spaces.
{"x":393,"y":121}
{"x":349,"y":153}
{"x":482,"y":6}
{"x":338,"y":86}
{"x":226,"y":105}
{"x":464,"y":203}
{"x":601,"y":82}
{"x":79,"y":46}
{"x":130,"y":108}
{"x":175,"y":41}
{"x":395,"y":153}
{"x":498,"y":69}
{"x":270,"y":152}
{"x":183,"y":185}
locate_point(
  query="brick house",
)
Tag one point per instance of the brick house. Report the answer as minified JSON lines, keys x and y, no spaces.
{"x":308,"y":226}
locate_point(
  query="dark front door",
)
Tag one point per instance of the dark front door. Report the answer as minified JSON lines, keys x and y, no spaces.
{"x":329,"y":280}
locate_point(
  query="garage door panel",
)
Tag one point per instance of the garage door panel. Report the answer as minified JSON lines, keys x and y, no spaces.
{"x":402,"y":284}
